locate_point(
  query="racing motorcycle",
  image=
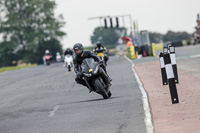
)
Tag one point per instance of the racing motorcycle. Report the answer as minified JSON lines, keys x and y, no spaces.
{"x":101,"y":56}
{"x":95,"y":78}
{"x":47,"y":59}
{"x":58,"y":57}
{"x":68,"y":62}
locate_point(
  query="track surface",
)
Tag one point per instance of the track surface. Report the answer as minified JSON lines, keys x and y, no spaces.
{"x":46,"y":99}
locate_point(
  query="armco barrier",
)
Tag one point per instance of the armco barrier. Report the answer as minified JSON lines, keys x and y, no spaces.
{"x":153,"y":49}
{"x":158,"y":46}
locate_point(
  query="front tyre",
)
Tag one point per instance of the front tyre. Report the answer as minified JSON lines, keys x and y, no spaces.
{"x":48,"y":63}
{"x":109,"y":94}
{"x":101,"y":89}
{"x":69,"y":68}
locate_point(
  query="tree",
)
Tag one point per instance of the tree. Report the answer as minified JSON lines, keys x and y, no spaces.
{"x":171,"y":36}
{"x":155,"y":37}
{"x":6,"y":54}
{"x":107,"y":36}
{"x":28,"y":24}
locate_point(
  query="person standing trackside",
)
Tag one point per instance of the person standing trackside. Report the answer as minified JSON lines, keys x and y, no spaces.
{"x":120,"y":43}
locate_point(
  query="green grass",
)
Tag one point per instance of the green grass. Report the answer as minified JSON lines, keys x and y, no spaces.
{"x":2,"y":69}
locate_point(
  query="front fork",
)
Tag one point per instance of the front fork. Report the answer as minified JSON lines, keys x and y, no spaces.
{"x":104,"y":76}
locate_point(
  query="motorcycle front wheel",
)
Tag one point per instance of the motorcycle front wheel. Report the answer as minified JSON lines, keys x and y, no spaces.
{"x":48,"y":63}
{"x":69,"y":68}
{"x":109,"y":94}
{"x":101,"y":89}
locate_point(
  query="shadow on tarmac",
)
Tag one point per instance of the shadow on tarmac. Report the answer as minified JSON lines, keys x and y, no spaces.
{"x":87,"y":101}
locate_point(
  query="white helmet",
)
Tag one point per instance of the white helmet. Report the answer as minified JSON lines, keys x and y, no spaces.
{"x":47,"y":51}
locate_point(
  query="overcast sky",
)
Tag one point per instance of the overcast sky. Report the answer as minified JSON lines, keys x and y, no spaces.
{"x":152,"y":15}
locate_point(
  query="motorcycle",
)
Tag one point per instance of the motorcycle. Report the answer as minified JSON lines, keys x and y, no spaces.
{"x":68,"y":62}
{"x":101,"y":56}
{"x":95,"y":78}
{"x":58,"y":57}
{"x":47,"y":59}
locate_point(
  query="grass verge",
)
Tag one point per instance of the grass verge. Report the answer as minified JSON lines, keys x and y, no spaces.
{"x":2,"y":69}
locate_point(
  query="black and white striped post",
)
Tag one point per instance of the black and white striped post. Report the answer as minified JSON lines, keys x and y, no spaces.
{"x":166,"y":49}
{"x":163,"y":71}
{"x":170,"y":77}
{"x":173,"y":60}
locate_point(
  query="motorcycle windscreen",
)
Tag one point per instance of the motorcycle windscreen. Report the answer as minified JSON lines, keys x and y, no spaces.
{"x":88,"y":65}
{"x":68,"y":58}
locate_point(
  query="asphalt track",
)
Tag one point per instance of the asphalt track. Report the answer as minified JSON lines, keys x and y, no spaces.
{"x":46,"y":99}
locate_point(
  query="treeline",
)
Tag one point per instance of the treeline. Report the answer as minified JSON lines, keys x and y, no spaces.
{"x":107,"y":36}
{"x":27,"y":29}
{"x":170,"y":36}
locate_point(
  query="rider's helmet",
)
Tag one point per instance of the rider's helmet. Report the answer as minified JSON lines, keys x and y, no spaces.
{"x":98,"y":44}
{"x":47,"y":52}
{"x":57,"y":53}
{"x":78,"y":49}
{"x":68,"y":49}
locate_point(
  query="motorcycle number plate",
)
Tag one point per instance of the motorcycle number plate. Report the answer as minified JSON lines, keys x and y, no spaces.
{"x":90,"y":70}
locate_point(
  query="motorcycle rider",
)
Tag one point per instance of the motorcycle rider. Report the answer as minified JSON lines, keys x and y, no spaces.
{"x":101,"y":49}
{"x":68,"y":51}
{"x":80,"y":55}
{"x":47,"y":52}
{"x":58,"y":57}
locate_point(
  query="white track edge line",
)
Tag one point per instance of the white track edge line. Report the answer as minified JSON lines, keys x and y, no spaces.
{"x":52,"y":113}
{"x":146,"y":106}
{"x":194,"y":56}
